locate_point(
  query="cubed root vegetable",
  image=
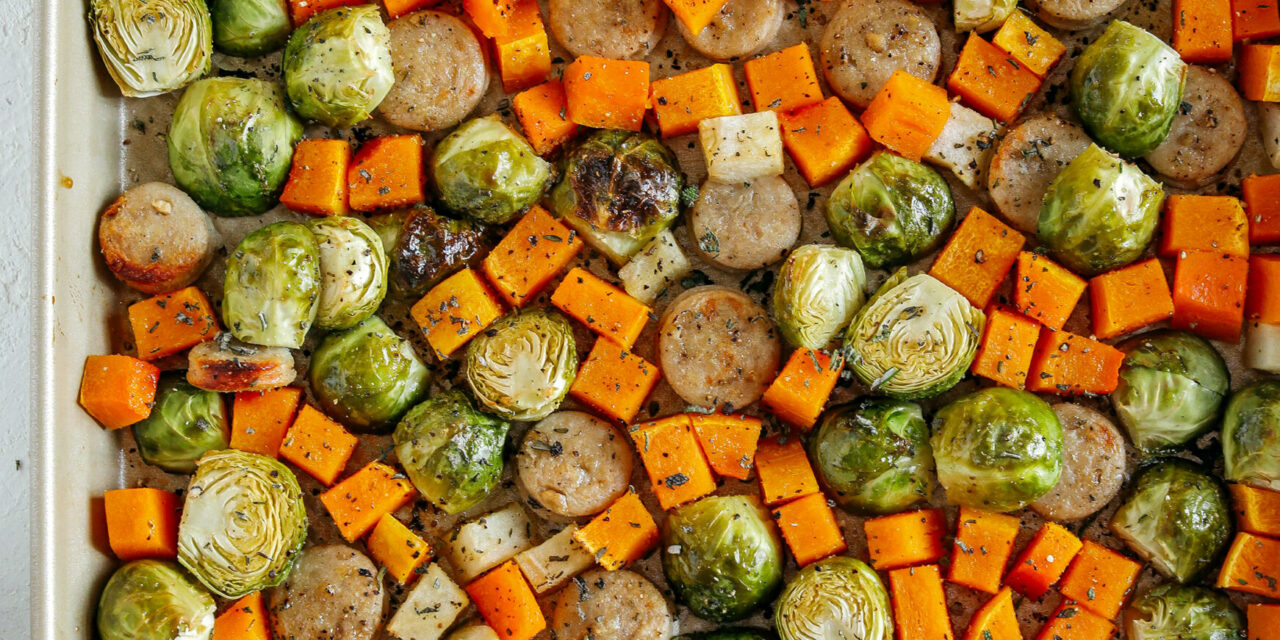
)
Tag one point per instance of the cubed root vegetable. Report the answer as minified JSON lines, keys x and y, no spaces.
{"x":995,"y":619}
{"x":677,"y":468}
{"x":318,"y":180}
{"x":729,"y":442}
{"x":741,"y":148}
{"x":1262,"y":301}
{"x":1202,"y":30}
{"x":555,"y":561}
{"x":491,"y":17}
{"x":118,"y":390}
{"x":1254,"y":19}
{"x":397,"y":8}
{"x":1068,"y":364}
{"x":1129,"y":298}
{"x":984,"y":542}
{"x":621,"y":534}
{"x":1045,"y":290}
{"x":532,"y":254}
{"x":1204,"y":223}
{"x":614,"y":381}
{"x":1100,"y":579}
{"x":809,"y":527}
{"x":784,"y":470}
{"x":919,"y":604}
{"x":1261,"y":195}
{"x":317,"y":445}
{"x":801,"y":390}
{"x":507,"y":603}
{"x":783,"y":80}
{"x":1043,"y":560}
{"x":978,"y":256}
{"x":607,"y":94}
{"x":1008,"y":344}
{"x":387,"y":173}
{"x":1252,"y":565}
{"x":1264,"y":621}
{"x":1208,"y":294}
{"x":603,"y":307}
{"x":142,"y":523}
{"x":907,"y":115}
{"x":542,"y":112}
{"x":522,"y":53}
{"x":245,"y":619}
{"x":302,"y":10}
{"x":430,"y":608}
{"x":1258,"y":72}
{"x":1257,"y":509}
{"x":695,"y":14}
{"x":171,"y":323}
{"x":824,"y":140}
{"x":682,"y":101}
{"x":905,"y":539}
{"x":397,"y":548}
{"x":454,"y":311}
{"x":358,"y":502}
{"x":260,"y":419}
{"x":1032,"y":46}
{"x":991,"y":81}
{"x":1072,"y":622}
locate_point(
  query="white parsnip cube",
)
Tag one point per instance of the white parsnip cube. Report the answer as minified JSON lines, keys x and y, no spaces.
{"x":1262,"y":346}
{"x":430,"y":609}
{"x":965,"y":145}
{"x":660,"y":264}
{"x":488,"y":541}
{"x":555,"y":561}
{"x":739,"y":148}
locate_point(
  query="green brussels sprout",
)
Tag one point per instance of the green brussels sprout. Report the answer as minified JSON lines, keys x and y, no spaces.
{"x":487,"y":171}
{"x":154,"y":600}
{"x":451,"y":451}
{"x":390,"y":227}
{"x":353,"y":271}
{"x":1251,"y":435}
{"x":838,"y":597}
{"x":1126,"y":87}
{"x":982,"y":15}
{"x":152,"y":47}
{"x":185,"y":423}
{"x":873,"y":456}
{"x":722,"y":556}
{"x":429,"y":247}
{"x":1177,"y":517}
{"x":250,"y":28}
{"x":618,"y":189}
{"x":1099,"y":213}
{"x":730,"y":633}
{"x":915,"y":338}
{"x":819,"y":289}
{"x":367,"y":376}
{"x":521,"y":366}
{"x":891,"y":209}
{"x":1172,"y":384}
{"x":272,"y":289}
{"x":337,"y":65}
{"x":243,"y":522}
{"x":231,"y":144}
{"x":997,"y":449}
{"x":1183,"y":612}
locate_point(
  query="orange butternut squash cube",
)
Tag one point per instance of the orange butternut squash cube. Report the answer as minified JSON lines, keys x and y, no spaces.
{"x":1202,"y":30}
{"x":801,"y":390}
{"x":387,"y":173}
{"x":1068,"y":364}
{"x":142,"y":523}
{"x":1261,"y":195}
{"x":919,"y":604}
{"x":491,"y":17}
{"x":824,"y":140}
{"x":507,"y":603}
{"x":984,"y":542}
{"x":172,"y":322}
{"x":1254,"y":20}
{"x":1208,"y":294}
{"x":1252,"y":566}
{"x":1258,"y":72}
{"x":1008,"y":345}
{"x":784,"y":470}
{"x":1204,"y":223}
{"x":614,"y":381}
{"x":991,"y":81}
{"x":978,"y":256}
{"x":783,"y":80}
{"x":1029,"y":44}
{"x":260,"y":419}
{"x":995,"y":619}
{"x":246,"y":619}
{"x":1264,"y":621}
{"x":696,"y":14}
{"x":454,"y":311}
{"x":1045,"y":290}
{"x":619,"y":535}
{"x":677,"y":468}
{"x":358,"y":502}
{"x":318,"y":179}
{"x":905,"y":539}
{"x":543,"y":114}
{"x":1257,"y":509}
{"x":809,"y":527}
{"x":603,"y":307}
{"x":907,"y":115}
{"x":532,"y":253}
{"x":1129,"y":298}
{"x":522,"y":53}
{"x":397,"y":548}
{"x":118,"y":390}
{"x":1073,"y":622}
{"x":607,"y":94}
{"x":1100,"y":579}
{"x":729,"y":442}
{"x":317,"y":445}
{"x":1043,"y":560}
{"x":682,"y":101}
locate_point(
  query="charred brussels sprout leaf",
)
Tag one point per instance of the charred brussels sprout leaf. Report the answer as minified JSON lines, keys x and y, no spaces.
{"x":521,"y":367}
{"x":250,"y":28}
{"x":819,"y":289}
{"x":618,"y":189}
{"x":152,"y":47}
{"x":272,"y":289}
{"x":997,"y":449}
{"x":429,"y":247}
{"x":1251,"y":435}
{"x":154,"y":600}
{"x":451,"y":451}
{"x":722,"y":556}
{"x":487,"y":171}
{"x":337,"y":66}
{"x":874,"y":456}
{"x":891,"y":209}
{"x":367,"y":376}
{"x":231,"y":144}
{"x":1177,"y":517}
{"x":243,"y":522}
{"x":1183,"y":612}
{"x":353,"y":271}
{"x":1099,"y":213}
{"x":1171,"y":386}
{"x":184,"y":424}
{"x":1126,"y":88}
{"x":838,"y":597}
{"x":982,"y":15}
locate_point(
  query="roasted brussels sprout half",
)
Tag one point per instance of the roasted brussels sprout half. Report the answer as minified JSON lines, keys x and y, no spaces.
{"x":521,"y":366}
{"x":427,"y":248}
{"x":1177,"y":517}
{"x":451,"y":451}
{"x":184,"y":424}
{"x":367,"y":376}
{"x":838,"y":597}
{"x":487,"y":171}
{"x":353,"y":271}
{"x":722,"y":556}
{"x":618,"y":189}
{"x":152,"y":47}
{"x":231,"y":144}
{"x":997,"y":449}
{"x":819,"y":289}
{"x":154,"y":600}
{"x":1172,"y":384}
{"x":250,"y":28}
{"x":337,"y":65}
{"x":272,"y":289}
{"x":243,"y":522}
{"x":873,"y":456}
{"x":891,"y":209}
{"x":1183,"y":612}
{"x":982,"y":15}
{"x":915,"y":338}
{"x":1251,"y":435}
{"x":1099,"y":213}
{"x":1126,"y":87}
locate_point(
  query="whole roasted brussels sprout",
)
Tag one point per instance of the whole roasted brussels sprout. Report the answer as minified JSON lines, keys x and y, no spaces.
{"x":184,"y":424}
{"x":1177,"y":517}
{"x":250,"y":28}
{"x":243,"y":522}
{"x":722,"y":556}
{"x":152,"y":47}
{"x":914,"y":338}
{"x":1183,"y":612}
{"x":231,"y":144}
{"x":154,"y":600}
{"x":522,"y":366}
{"x":367,"y":376}
{"x":891,"y":209}
{"x":982,"y":15}
{"x":618,"y":189}
{"x":337,"y":65}
{"x":838,"y":597}
{"x":873,"y":456}
{"x":1251,"y":435}
{"x":487,"y":171}
{"x":451,"y":451}
{"x":353,"y":271}
{"x":1099,"y":213}
{"x":271,"y":293}
{"x":997,"y":449}
{"x":819,"y":289}
{"x":429,"y":247}
{"x":1126,"y":87}
{"x":1172,"y":384}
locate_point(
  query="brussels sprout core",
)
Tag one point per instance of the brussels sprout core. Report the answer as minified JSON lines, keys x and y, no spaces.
{"x":838,"y":597}
{"x":353,"y":271}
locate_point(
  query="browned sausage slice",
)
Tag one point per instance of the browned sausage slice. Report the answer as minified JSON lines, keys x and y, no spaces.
{"x":745,"y":225}
{"x":1074,"y":14}
{"x":156,"y":239}
{"x":1207,"y":132}
{"x":227,"y":365}
{"x":1026,"y":161}
{"x":440,"y":72}
{"x":866,"y":41}
{"x":610,"y":605}
{"x":574,"y":464}
{"x":332,"y":593}
{"x":742,"y":28}
{"x":614,"y":29}
{"x":1092,"y":465}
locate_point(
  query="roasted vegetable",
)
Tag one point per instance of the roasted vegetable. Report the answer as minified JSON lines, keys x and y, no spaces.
{"x":873,"y":456}
{"x":1251,"y":435}
{"x":486,"y":170}
{"x":1172,"y":385}
{"x":819,"y":289}
{"x":337,"y":66}
{"x":154,"y":600}
{"x":522,"y":365}
{"x":250,"y":28}
{"x":730,"y":633}
{"x":152,"y":47}
{"x":1183,"y":612}
{"x":353,"y":271}
{"x":982,"y":15}
{"x":271,"y":293}
{"x":367,"y":376}
{"x":838,"y":597}
{"x":451,"y":451}
{"x":891,"y":209}
{"x":184,"y":424}
{"x":425,"y":247}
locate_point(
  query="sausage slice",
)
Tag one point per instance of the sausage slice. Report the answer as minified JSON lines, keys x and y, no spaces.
{"x":867,"y":41}
{"x":227,"y":365}
{"x":742,"y":28}
{"x":333,"y":593}
{"x":440,"y":72}
{"x":156,"y":239}
{"x":574,"y":464}
{"x":614,"y":29}
{"x":745,"y":225}
{"x":1092,"y":465}
{"x":610,"y":605}
{"x":1207,"y":132}
{"x":1026,"y":161}
{"x":1074,"y":15}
